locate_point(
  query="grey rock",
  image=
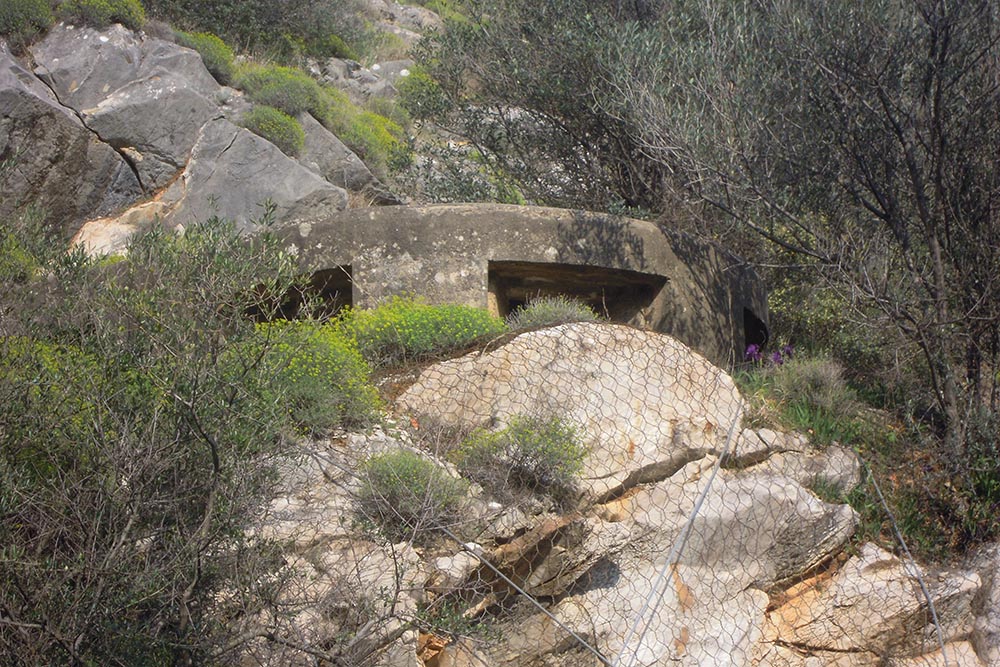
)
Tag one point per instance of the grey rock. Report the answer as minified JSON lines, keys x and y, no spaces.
{"x":327,"y":156}
{"x":143,"y":95}
{"x":986,"y":634}
{"x":232,"y":173}
{"x":57,"y":162}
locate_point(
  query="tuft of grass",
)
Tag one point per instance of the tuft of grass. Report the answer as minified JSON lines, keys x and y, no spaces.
{"x":405,"y":494}
{"x":534,"y":454}
{"x":217,"y":56}
{"x":277,"y":127}
{"x":102,"y":13}
{"x":404,"y":329}
{"x":547,"y":311}
{"x":808,"y":394}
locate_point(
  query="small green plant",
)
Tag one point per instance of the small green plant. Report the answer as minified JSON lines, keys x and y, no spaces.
{"x":808,"y":394}
{"x":540,"y":455}
{"x":404,"y":329}
{"x":404,"y":493}
{"x":421,"y":95}
{"x":216,"y":55}
{"x":318,"y":374}
{"x":102,"y":13}
{"x":21,"y":20}
{"x":286,"y":88}
{"x":547,"y":311}
{"x":330,"y":46}
{"x":277,"y":127}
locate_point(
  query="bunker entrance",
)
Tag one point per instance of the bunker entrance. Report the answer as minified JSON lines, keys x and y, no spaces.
{"x":617,"y":294}
{"x":323,"y":295}
{"x":754,"y":330}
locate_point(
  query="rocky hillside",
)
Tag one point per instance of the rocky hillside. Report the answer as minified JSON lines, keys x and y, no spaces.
{"x":677,"y":536}
{"x":112,"y":129}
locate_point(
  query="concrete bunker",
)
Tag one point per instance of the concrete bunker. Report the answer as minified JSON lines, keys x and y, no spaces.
{"x":499,"y":256}
{"x":621,"y":295}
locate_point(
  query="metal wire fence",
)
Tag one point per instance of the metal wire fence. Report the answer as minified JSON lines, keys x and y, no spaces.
{"x":588,"y":495}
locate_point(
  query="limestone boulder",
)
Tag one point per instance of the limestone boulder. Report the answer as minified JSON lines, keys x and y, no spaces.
{"x":145,"y":96}
{"x":57,"y":161}
{"x":235,"y":174}
{"x":875,"y":604}
{"x":645,"y":403}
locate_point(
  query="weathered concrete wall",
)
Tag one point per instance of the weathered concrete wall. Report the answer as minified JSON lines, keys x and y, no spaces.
{"x":690,"y":289}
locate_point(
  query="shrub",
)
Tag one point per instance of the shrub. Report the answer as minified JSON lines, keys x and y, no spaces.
{"x":102,"y":13}
{"x":277,"y":127}
{"x":286,"y":88}
{"x":216,"y":55}
{"x":141,"y":421}
{"x":21,"y":20}
{"x":547,"y":311}
{"x":532,"y":454}
{"x":318,"y":374}
{"x":330,"y":46}
{"x":406,"y":329}
{"x":402,"y":492}
{"x":421,"y":95}
{"x":805,"y":393}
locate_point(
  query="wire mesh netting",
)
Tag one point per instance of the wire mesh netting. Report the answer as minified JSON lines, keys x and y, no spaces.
{"x":588,"y":494}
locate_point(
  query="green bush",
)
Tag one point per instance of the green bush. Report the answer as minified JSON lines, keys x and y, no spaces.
{"x":403,"y":329}
{"x":21,"y":20}
{"x":102,"y":13}
{"x":286,"y":88}
{"x":531,"y":454}
{"x":142,"y":419}
{"x":547,"y":311}
{"x":809,"y":394}
{"x":277,"y":127}
{"x":421,"y":95}
{"x":330,"y":46}
{"x":217,"y":56}
{"x":403,"y":493}
{"x":318,"y":374}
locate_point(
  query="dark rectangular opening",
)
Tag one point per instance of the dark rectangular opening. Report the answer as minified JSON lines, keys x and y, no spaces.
{"x":618,"y":294}
{"x":324,"y":294}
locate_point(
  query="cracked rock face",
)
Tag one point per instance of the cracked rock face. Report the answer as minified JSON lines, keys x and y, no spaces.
{"x":58,"y":161}
{"x":141,"y":95}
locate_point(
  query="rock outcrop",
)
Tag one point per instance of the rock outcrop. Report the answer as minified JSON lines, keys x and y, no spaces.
{"x":55,"y":159}
{"x":144,"y":96}
{"x":646,"y":402}
{"x":111,"y":116}
{"x":722,"y":557}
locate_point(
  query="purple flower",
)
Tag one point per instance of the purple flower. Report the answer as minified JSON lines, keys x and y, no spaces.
{"x":776,"y":358}
{"x":787,"y":351}
{"x":753,"y":352}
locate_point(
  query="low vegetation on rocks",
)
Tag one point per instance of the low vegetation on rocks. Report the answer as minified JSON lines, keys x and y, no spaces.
{"x":405,"y":329}
{"x":534,"y":454}
{"x":22,"y":20}
{"x":276,"y":126}
{"x":102,"y":13}
{"x":216,"y":54}
{"x":408,"y":496}
{"x":547,"y":311}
